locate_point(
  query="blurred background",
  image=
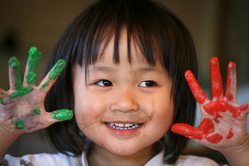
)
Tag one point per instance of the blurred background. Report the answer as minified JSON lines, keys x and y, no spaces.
{"x":219,"y":28}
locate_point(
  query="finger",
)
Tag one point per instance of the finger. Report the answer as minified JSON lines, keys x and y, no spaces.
{"x":51,"y":77}
{"x":245,"y":107}
{"x":185,"y":130}
{"x":195,"y":87}
{"x":31,"y":67}
{"x":217,"y":88}
{"x":231,"y":82}
{"x":62,"y":114}
{"x":14,"y":74}
{"x":205,"y":128}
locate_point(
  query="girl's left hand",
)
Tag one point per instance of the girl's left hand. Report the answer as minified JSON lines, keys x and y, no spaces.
{"x":223,"y":125}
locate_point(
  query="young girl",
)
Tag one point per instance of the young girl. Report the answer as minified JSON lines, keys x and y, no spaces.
{"x":122,"y":95}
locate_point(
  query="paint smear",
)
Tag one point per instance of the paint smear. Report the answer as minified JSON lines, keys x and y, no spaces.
{"x":36,"y":112}
{"x":45,"y":84}
{"x":19,"y":124}
{"x":63,"y":114}
{"x":230,"y":134}
{"x":21,"y":92}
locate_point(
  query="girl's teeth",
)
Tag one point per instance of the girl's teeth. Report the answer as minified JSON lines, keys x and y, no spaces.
{"x":122,"y":126}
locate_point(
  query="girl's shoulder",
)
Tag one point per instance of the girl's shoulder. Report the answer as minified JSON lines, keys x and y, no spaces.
{"x":43,"y":159}
{"x":185,"y":160}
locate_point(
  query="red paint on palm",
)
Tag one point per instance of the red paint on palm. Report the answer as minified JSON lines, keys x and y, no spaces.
{"x":215,"y":138}
{"x":221,"y":104}
{"x":230,"y":134}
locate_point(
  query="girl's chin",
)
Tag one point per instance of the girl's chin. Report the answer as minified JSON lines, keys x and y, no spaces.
{"x":125,"y":150}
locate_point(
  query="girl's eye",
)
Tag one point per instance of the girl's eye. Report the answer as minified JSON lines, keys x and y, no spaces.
{"x":147,"y":83}
{"x":104,"y":83}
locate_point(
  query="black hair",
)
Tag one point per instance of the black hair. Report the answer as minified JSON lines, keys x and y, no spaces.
{"x":159,"y":35}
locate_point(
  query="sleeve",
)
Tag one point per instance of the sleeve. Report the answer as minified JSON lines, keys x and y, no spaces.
{"x":40,"y":160}
{"x":195,"y":161}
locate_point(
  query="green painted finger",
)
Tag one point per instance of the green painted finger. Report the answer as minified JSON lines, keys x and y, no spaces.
{"x":1,"y":101}
{"x":15,"y":64}
{"x":63,"y":114}
{"x":33,"y":60}
{"x":58,"y":67}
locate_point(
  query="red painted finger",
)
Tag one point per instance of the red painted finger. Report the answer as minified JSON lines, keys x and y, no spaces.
{"x":231,"y":82}
{"x":185,"y":130}
{"x":217,"y":88}
{"x":195,"y":87}
{"x":202,"y":131}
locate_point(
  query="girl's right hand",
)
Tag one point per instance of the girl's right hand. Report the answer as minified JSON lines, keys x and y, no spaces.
{"x":22,"y":106}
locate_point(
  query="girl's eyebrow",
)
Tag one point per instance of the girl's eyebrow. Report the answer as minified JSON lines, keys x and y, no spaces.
{"x":105,"y":69}
{"x":109,"y":69}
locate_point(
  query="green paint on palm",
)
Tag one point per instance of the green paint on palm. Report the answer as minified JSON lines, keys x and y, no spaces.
{"x":63,"y":114}
{"x":2,"y":93}
{"x":36,"y":112}
{"x":1,"y":101}
{"x":58,"y":67}
{"x":21,"y":92}
{"x":15,"y":64}
{"x":19,"y":124}
{"x":33,"y":60}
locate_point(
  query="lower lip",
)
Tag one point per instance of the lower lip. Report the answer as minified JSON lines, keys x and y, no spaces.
{"x":128,"y":132}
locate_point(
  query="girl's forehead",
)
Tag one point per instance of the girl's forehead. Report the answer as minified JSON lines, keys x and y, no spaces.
{"x":125,"y":50}
{"x":138,"y":63}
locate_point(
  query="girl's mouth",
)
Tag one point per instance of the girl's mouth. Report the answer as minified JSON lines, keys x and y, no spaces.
{"x":123,"y":126}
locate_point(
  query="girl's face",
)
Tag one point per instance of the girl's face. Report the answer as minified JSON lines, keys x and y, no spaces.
{"x":123,"y":108}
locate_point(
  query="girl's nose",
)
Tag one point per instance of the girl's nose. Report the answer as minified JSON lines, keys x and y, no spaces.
{"x":124,"y":101}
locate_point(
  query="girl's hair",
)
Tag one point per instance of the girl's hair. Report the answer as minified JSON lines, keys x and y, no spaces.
{"x":159,"y":35}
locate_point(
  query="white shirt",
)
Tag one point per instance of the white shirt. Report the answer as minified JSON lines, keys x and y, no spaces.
{"x":45,"y":159}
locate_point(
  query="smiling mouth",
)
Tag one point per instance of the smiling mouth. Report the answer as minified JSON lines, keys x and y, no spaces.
{"x":122,"y":126}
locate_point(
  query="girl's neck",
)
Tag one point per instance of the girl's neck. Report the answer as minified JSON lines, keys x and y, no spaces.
{"x":99,"y":156}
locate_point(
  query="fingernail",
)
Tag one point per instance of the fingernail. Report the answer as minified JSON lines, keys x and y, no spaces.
{"x":14,"y":63}
{"x":63,"y":114}
{"x":34,"y":54}
{"x":58,"y":67}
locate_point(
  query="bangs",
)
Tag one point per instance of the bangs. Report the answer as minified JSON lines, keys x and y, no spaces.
{"x":156,"y":43}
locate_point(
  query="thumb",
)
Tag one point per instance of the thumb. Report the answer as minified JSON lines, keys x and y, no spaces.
{"x":206,"y":127}
{"x":185,"y":130}
{"x":62,"y":114}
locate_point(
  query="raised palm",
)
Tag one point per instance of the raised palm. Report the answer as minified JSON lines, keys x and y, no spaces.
{"x":22,"y":106}
{"x":223,"y":121}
